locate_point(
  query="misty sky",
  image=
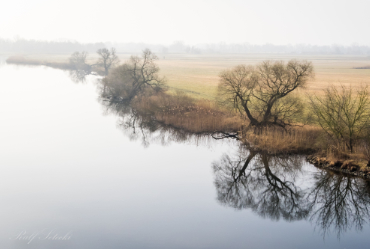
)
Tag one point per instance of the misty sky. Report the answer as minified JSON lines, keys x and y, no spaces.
{"x":320,"y":22}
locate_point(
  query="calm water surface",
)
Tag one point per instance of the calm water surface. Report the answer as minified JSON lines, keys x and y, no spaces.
{"x":71,"y":167}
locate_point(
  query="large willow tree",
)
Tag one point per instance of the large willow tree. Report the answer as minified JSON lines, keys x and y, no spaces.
{"x":263,"y":93}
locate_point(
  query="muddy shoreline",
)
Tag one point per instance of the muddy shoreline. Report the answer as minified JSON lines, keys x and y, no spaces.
{"x":349,"y":167}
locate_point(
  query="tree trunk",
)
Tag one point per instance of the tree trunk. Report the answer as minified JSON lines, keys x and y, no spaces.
{"x":267,"y":114}
{"x":249,"y":115}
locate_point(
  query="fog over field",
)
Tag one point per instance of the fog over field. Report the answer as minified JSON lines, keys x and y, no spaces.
{"x":287,"y":26}
{"x":61,"y":47}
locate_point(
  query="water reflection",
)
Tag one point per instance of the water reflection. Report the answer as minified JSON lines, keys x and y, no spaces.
{"x":97,"y":184}
{"x":249,"y":181}
{"x":281,"y":187}
{"x":144,"y":127}
{"x":339,"y":202}
{"x":78,"y":76}
{"x":272,"y":187}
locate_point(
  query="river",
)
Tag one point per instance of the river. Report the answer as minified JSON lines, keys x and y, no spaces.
{"x":74,"y":174}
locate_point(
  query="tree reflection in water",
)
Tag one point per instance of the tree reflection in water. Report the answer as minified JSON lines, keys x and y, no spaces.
{"x":78,"y":76}
{"x":249,"y":182}
{"x":141,"y":126}
{"x":270,"y":186}
{"x":339,"y":202}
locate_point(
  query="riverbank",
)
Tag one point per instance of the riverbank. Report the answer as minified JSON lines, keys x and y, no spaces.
{"x":204,"y":117}
{"x":21,"y":60}
{"x":196,"y":115}
{"x":67,"y":137}
{"x":355,"y":167}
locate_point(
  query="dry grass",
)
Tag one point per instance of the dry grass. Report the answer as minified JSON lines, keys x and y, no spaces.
{"x":183,"y":112}
{"x":336,"y":155}
{"x":21,"y":60}
{"x":199,"y":73}
{"x":201,"y":116}
{"x":277,"y":141}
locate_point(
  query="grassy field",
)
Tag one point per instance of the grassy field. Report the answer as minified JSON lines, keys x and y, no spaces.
{"x":198,"y":74}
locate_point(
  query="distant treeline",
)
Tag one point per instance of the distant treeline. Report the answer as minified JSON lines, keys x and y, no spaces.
{"x":288,"y":49}
{"x":46,"y":47}
{"x":33,"y":46}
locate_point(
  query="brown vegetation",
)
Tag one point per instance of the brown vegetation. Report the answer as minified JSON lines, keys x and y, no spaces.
{"x":198,"y":112}
{"x":182,"y":111}
{"x":262,"y":91}
{"x":138,"y":84}
{"x":34,"y":62}
{"x":279,"y":141}
{"x":355,"y":166}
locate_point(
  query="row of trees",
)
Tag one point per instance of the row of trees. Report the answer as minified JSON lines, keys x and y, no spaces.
{"x":268,"y":185}
{"x":265,"y":184}
{"x":122,"y":83}
{"x":266,"y":95}
{"x":107,"y":59}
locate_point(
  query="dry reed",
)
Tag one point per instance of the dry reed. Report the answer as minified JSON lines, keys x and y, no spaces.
{"x":184,"y":112}
{"x":278,"y":141}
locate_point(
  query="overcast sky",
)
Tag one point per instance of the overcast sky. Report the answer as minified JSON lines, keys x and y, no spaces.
{"x":320,"y":22}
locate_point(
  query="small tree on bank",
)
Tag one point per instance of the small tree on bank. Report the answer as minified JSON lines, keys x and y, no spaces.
{"x":343,"y":114}
{"x":77,"y":61}
{"x":263,"y":93}
{"x":107,"y":59}
{"x":133,"y":78}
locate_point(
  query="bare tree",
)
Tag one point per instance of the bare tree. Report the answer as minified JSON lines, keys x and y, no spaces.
{"x":366,"y":145}
{"x":261,"y":93}
{"x":77,"y":61}
{"x":344,"y":114}
{"x":133,"y":78}
{"x":108,"y":59}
